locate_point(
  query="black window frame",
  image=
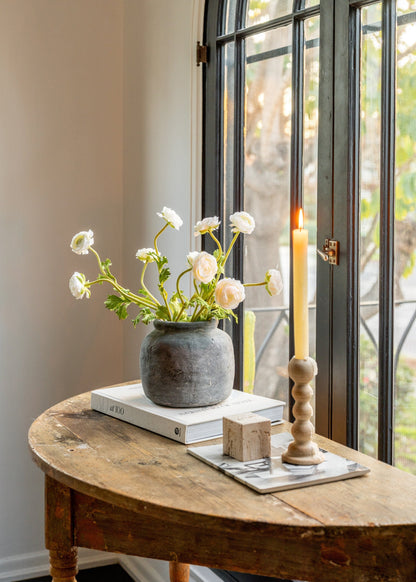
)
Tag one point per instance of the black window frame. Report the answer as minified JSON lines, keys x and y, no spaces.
{"x":338,"y":297}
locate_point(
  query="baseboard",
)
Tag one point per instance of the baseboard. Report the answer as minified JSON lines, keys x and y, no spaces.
{"x":146,"y":570}
{"x":36,"y":564}
{"x":200,"y":574}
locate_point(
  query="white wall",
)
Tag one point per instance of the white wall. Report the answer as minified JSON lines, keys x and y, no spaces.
{"x":61,"y":170}
{"x":99,"y":118}
{"x":162,"y":134}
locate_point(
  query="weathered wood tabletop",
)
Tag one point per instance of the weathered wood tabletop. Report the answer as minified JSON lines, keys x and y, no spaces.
{"x":112,"y":486}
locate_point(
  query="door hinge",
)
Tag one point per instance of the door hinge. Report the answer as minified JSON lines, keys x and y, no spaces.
{"x":201,"y":54}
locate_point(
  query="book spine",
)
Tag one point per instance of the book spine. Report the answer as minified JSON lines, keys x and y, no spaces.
{"x":140,"y":418}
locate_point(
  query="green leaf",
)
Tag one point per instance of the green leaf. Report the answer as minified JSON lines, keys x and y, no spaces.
{"x":118,"y":305}
{"x":162,"y":313}
{"x":106,"y":267}
{"x":201,"y":302}
{"x":161,"y":260}
{"x":221,"y":313}
{"x":175,"y":306}
{"x":164,"y":275}
{"x":145,"y":316}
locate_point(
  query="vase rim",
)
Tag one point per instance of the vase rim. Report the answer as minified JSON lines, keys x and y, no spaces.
{"x":162,"y":324}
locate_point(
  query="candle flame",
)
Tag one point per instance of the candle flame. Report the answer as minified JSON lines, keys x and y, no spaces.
{"x":300,"y":220}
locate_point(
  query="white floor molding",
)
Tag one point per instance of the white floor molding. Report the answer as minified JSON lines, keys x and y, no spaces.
{"x":200,"y":574}
{"x":35,"y":564}
{"x":145,"y":570}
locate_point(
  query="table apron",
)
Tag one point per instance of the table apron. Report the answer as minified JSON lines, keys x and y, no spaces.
{"x":321,"y":554}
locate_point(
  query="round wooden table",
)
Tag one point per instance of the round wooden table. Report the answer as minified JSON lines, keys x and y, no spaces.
{"x":115,"y":487}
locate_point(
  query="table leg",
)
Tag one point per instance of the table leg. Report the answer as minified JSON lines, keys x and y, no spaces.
{"x":178,"y":572}
{"x":59,"y":534}
{"x":63,"y":565}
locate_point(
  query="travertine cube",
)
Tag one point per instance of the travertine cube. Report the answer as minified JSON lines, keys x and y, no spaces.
{"x":246,"y":436}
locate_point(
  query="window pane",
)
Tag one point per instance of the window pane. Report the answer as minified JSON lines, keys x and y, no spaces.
{"x":405,"y":7}
{"x":310,"y":160}
{"x":405,"y":241}
{"x":228,"y":135}
{"x":310,"y":3}
{"x":229,"y":16}
{"x":263,"y":10}
{"x":267,"y":196}
{"x":369,"y":225}
{"x":268,"y":134}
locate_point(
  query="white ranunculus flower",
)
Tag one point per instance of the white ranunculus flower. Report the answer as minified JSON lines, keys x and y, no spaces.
{"x":203,"y":226}
{"x":191,"y":257}
{"x":274,"y":282}
{"x":242,"y":222}
{"x":77,"y":286}
{"x":146,"y":255}
{"x":229,"y":293}
{"x":204,"y":267}
{"x":82,"y":241}
{"x":171,"y":217}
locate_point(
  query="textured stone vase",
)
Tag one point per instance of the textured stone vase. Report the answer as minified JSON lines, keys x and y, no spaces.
{"x":187,"y":364}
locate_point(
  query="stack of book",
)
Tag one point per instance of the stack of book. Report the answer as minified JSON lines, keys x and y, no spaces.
{"x":186,"y":425}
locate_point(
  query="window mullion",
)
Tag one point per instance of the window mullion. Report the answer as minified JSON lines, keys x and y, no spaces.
{"x":296,"y":166}
{"x":336,"y":221}
{"x":354,"y":230}
{"x":387,"y":190}
{"x":212,"y":180}
{"x":238,"y":195}
{"x":324,"y":217}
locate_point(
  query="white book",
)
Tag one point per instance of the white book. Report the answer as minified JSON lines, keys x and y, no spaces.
{"x":272,"y":474}
{"x":185,"y":425}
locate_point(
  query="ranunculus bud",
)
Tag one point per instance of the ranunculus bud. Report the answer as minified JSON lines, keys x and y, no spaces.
{"x":209,"y":223}
{"x":146,"y":255}
{"x":204,"y":267}
{"x":77,"y":285}
{"x":274,"y":283}
{"x":171,"y":217}
{"x":82,"y":241}
{"x":242,"y":222}
{"x":229,"y":293}
{"x":192,"y":256}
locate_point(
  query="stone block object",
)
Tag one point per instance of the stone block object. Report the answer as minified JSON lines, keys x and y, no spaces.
{"x":246,"y":436}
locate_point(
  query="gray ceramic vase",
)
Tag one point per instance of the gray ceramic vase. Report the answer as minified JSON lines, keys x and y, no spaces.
{"x":187,"y":364}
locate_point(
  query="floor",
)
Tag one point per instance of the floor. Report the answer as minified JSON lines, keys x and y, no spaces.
{"x":113,"y":573}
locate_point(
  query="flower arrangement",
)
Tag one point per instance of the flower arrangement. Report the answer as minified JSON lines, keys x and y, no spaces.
{"x":214,"y":296}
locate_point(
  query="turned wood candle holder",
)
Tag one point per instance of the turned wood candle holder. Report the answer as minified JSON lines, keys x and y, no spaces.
{"x":302,"y":451}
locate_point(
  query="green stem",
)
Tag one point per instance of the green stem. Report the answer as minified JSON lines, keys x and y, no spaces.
{"x":162,"y":290}
{"x":165,"y":296}
{"x":132,"y":297}
{"x":177,"y":285}
{"x":225,"y":260}
{"x":99,"y":260}
{"x":214,"y":238}
{"x":230,"y":247}
{"x":180,"y":312}
{"x":144,"y":286}
{"x":110,"y":278}
{"x":197,"y":313}
{"x":157,"y":236}
{"x":254,"y":284}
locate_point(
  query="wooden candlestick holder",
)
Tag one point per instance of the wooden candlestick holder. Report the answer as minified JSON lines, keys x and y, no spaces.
{"x":302,"y":451}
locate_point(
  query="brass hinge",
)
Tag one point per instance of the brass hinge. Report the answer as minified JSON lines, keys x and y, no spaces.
{"x":201,"y":54}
